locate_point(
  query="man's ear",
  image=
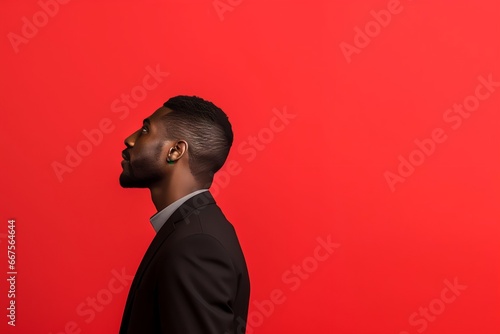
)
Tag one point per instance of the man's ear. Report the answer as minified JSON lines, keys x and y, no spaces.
{"x":177,"y":151}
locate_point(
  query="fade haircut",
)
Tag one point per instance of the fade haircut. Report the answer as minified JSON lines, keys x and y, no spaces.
{"x":206,"y":129}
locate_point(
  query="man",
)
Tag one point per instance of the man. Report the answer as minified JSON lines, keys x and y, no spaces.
{"x":193,"y":278}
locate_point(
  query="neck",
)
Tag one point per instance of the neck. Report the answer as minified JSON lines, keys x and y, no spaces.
{"x":163,"y":196}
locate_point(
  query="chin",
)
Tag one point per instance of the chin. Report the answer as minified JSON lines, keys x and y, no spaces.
{"x":125,"y":183}
{"x":128,"y":182}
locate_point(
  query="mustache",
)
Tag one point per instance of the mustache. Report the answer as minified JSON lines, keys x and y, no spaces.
{"x":125,"y":155}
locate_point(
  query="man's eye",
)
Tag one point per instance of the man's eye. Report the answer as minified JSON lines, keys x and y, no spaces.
{"x":144,"y":129}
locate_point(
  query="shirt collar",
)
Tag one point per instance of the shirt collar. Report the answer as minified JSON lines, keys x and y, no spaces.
{"x":161,"y":217}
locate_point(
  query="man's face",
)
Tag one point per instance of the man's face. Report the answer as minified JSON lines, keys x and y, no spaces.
{"x":144,"y":161}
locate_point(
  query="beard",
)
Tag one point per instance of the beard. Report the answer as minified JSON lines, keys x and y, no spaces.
{"x":141,"y":172}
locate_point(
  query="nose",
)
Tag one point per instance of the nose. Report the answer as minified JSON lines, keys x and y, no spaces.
{"x":130,"y":140}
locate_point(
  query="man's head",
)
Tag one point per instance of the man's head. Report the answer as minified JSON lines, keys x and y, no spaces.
{"x":186,"y":140}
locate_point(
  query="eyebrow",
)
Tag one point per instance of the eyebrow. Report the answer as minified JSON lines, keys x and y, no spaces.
{"x":146,"y":121}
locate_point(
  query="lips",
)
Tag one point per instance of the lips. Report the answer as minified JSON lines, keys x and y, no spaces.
{"x":125,"y":155}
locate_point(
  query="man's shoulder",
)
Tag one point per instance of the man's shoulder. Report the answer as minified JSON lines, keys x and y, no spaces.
{"x":208,"y":220}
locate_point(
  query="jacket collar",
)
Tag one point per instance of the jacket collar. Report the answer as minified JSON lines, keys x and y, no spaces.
{"x":183,"y":213}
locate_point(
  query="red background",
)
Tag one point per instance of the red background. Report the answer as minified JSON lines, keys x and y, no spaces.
{"x":321,"y":175}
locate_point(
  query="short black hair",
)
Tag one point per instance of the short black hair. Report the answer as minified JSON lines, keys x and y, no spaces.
{"x":206,"y":129}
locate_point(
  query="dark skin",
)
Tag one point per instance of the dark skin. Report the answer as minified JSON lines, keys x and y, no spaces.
{"x":146,"y":162}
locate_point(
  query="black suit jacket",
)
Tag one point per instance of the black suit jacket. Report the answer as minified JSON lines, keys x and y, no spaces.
{"x":193,"y":278}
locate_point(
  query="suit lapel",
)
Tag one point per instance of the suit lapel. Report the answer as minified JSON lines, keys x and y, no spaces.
{"x":192,"y":205}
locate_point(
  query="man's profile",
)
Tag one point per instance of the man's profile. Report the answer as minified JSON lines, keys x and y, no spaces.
{"x":193,"y":278}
